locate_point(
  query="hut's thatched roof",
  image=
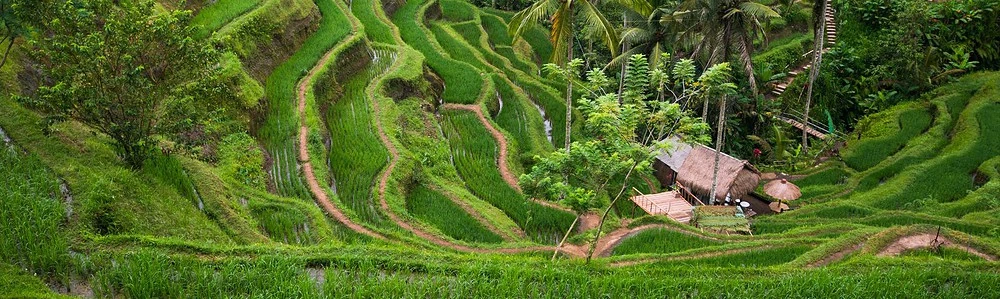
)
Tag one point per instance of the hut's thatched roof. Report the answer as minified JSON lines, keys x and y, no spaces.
{"x":736,"y":177}
{"x":675,"y":156}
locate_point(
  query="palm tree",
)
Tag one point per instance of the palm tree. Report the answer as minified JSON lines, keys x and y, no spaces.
{"x":722,"y":28}
{"x":818,"y":43}
{"x":653,"y":32}
{"x":562,"y":13}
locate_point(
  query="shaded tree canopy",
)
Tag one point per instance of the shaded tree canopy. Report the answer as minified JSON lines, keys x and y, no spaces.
{"x":114,"y":65}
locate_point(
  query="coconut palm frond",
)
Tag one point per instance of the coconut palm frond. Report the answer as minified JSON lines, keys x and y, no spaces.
{"x":525,"y":19}
{"x":596,"y":21}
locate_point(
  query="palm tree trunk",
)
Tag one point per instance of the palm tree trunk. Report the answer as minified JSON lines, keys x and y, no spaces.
{"x":719,"y":139}
{"x":820,"y":40}
{"x":569,"y":92}
{"x":621,"y":79}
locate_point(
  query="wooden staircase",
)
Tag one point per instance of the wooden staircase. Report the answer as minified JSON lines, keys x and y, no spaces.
{"x":830,"y":31}
{"x":829,"y":39}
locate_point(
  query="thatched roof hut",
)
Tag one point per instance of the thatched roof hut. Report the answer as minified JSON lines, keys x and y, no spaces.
{"x":694,"y":167}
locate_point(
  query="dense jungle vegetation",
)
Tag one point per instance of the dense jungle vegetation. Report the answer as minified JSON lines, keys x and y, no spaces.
{"x":473,"y":148}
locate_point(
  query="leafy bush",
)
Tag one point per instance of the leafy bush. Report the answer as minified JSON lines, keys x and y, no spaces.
{"x":240,"y":159}
{"x":785,"y":54}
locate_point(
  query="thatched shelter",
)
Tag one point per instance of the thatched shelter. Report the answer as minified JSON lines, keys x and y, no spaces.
{"x":693,"y":167}
{"x":669,"y":162}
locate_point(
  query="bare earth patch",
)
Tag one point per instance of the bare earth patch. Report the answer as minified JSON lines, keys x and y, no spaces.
{"x":928,"y":241}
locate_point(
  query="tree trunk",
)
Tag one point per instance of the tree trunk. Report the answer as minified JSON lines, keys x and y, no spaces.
{"x":621,"y":83}
{"x":704,"y":111}
{"x":566,"y":236}
{"x":820,"y":40}
{"x":569,"y":93}
{"x":719,"y":139}
{"x":600,"y":225}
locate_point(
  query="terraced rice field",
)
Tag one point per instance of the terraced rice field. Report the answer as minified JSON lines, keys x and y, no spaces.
{"x":363,"y":178}
{"x":356,"y":153}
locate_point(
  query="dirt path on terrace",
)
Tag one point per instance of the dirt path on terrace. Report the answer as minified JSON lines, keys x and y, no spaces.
{"x":685,"y":257}
{"x":927,"y":241}
{"x":839,"y":255}
{"x":505,"y":172}
{"x":314,"y":186}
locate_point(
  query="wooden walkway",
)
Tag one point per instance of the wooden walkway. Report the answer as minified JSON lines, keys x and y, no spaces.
{"x":669,"y":203}
{"x":809,"y":130}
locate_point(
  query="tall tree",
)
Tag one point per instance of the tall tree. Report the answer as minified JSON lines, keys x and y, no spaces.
{"x":622,"y":137}
{"x":562,"y":14}
{"x":723,"y":28}
{"x":818,"y":42}
{"x":719,"y":85}
{"x":113,"y":65}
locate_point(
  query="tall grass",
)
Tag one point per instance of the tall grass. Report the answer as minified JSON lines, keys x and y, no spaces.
{"x":945,"y":253}
{"x":546,"y":100}
{"x":475,"y":155}
{"x":376,"y":30}
{"x":844,"y":212}
{"x":436,"y":209}
{"x":756,"y":257}
{"x":868,"y":153}
{"x":496,"y":29}
{"x":514,"y":118}
{"x":107,"y":192}
{"x":31,"y":216}
{"x":676,"y":281}
{"x":660,"y":240}
{"x":279,"y":130}
{"x":149,"y":274}
{"x":462,"y":81}
{"x":536,"y":36}
{"x":456,"y":49}
{"x":15,"y":283}
{"x":823,"y":182}
{"x":357,"y":155}
{"x":219,"y":13}
{"x":947,"y":177}
{"x":457,"y":10}
{"x":283,"y":223}
{"x":169,"y":171}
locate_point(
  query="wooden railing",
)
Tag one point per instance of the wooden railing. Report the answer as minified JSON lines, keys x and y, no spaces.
{"x":687,"y":195}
